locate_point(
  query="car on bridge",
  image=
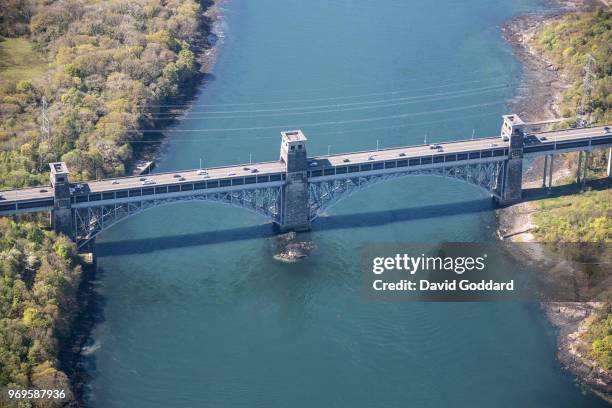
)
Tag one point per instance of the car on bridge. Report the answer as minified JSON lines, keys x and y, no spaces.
{"x":148,"y":182}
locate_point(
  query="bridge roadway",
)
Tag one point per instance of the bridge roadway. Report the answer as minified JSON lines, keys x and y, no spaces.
{"x":273,"y":173}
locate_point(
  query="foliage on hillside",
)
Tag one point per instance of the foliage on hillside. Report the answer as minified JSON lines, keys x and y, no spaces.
{"x":567,"y":41}
{"x":112,"y":63}
{"x":599,"y":339}
{"x":39,"y":278}
{"x":584,"y":217}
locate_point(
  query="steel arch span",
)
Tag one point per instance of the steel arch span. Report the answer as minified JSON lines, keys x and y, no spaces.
{"x":326,"y":193}
{"x":91,"y":221}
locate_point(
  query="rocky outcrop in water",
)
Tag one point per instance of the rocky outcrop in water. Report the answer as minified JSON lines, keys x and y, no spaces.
{"x":288,"y":249}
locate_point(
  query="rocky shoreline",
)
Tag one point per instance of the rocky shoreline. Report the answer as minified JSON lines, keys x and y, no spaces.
{"x":538,"y":99}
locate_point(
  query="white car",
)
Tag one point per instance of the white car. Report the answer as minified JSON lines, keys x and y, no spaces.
{"x":371,"y":158}
{"x":313,"y":164}
{"x":147,"y":182}
{"x":115,"y":181}
{"x":231,"y":173}
{"x":202,"y":172}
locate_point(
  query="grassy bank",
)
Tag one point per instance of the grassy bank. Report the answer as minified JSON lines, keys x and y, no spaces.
{"x":598,"y":338}
{"x":584,"y":217}
{"x":19,"y":61}
{"x":109,"y":65}
{"x":568,"y":42}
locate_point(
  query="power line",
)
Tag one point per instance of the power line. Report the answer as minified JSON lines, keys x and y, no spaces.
{"x":315,"y":124}
{"x":346,"y":133}
{"x":382,"y":103}
{"x":287,"y":101}
{"x":331,"y":123}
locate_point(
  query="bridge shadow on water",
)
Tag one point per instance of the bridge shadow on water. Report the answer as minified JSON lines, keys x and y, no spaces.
{"x":324,"y":223}
{"x":333,"y":222}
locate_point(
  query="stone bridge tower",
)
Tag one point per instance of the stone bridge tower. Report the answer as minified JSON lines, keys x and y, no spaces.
{"x":294,"y":211}
{"x":61,"y":215}
{"x":512,"y":130}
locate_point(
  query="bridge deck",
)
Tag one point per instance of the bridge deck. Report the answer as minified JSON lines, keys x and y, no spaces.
{"x":535,"y":144}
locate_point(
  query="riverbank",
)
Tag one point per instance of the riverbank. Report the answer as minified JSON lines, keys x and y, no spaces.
{"x":77,"y":358}
{"x":149,"y":149}
{"x":539,"y":99}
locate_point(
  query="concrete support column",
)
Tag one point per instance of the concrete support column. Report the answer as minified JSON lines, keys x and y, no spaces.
{"x":545,"y":166}
{"x":550,"y":173}
{"x":579,"y":167}
{"x":585,"y":169}
{"x":610,"y":162}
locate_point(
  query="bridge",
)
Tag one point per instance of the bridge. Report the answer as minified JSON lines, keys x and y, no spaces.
{"x":294,"y":190}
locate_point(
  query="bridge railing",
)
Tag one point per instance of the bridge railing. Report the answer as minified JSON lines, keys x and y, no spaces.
{"x":323,"y":156}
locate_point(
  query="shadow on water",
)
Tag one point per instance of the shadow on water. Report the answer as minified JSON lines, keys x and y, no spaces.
{"x":80,"y":358}
{"x":335,"y":222}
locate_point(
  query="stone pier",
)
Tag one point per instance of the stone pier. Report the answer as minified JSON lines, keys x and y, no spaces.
{"x":61,"y":214}
{"x":295,"y":211}
{"x":512,"y":176}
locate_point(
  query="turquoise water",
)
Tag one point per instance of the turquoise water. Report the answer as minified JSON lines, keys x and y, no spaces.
{"x":196,"y":311}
